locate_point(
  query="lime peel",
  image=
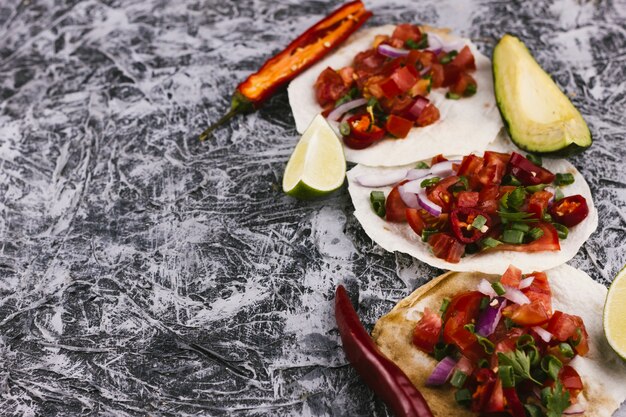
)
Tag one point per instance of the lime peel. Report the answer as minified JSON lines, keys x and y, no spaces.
{"x":614,"y":313}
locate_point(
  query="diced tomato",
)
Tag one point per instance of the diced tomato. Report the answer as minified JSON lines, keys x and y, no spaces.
{"x":464,"y":85}
{"x":420,"y":88}
{"x":371,"y":86}
{"x":571,"y":380}
{"x":398,"y":126}
{"x":347,"y":75}
{"x":566,"y":327}
{"x":451,"y":75}
{"x":513,"y":402}
{"x":368,"y":62}
{"x":533,"y":314}
{"x":329,"y":87}
{"x":512,"y":276}
{"x":548,"y":242}
{"x":427,"y":331}
{"x":493,"y":168}
{"x":395,"y":209}
{"x":463,"y":308}
{"x":440,"y":195}
{"x":485,"y":382}
{"x":413,"y":59}
{"x":404,"y":79}
{"x":540,"y":290}
{"x":390,"y":88}
{"x":398,"y":105}
{"x":538,"y":203}
{"x":428,"y":116}
{"x":470,"y":165}
{"x":415,"y":220}
{"x":570,"y":211}
{"x":446,"y":247}
{"x":496,"y":400}
{"x":527,"y":172}
{"x":437,"y":159}
{"x":467,"y":199}
{"x":407,"y":31}
{"x":438,"y":75}
{"x":464,"y":59}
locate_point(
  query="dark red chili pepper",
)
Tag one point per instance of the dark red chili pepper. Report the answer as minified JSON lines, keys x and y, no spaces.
{"x":299,"y":55}
{"x":527,"y":172}
{"x":570,"y":211}
{"x":461,"y":220}
{"x":363,"y":132}
{"x":383,"y":376}
{"x":513,"y":402}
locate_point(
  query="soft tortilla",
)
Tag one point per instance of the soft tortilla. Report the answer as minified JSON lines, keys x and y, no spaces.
{"x":466,"y":125}
{"x":574,"y":292}
{"x":400,"y":237}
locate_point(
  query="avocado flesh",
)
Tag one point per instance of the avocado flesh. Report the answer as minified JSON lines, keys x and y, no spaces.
{"x":536,"y":113}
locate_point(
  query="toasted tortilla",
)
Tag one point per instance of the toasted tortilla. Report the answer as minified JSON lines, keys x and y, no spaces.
{"x":400,"y":237}
{"x":574,"y":292}
{"x":466,"y":125}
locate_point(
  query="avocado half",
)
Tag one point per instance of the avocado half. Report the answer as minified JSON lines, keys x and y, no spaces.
{"x":536,"y":113}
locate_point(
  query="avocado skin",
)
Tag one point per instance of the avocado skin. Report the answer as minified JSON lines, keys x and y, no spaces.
{"x":569,"y":150}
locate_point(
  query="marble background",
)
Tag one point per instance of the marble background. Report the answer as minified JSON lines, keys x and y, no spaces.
{"x":144,"y":273}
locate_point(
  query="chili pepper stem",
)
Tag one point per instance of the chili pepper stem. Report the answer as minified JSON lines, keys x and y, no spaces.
{"x":239,"y":105}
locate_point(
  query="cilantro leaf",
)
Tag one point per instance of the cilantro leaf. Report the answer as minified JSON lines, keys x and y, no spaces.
{"x":555,"y":399}
{"x":516,"y":217}
{"x":520,"y":362}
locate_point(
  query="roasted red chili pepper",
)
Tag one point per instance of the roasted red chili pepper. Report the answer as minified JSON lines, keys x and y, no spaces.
{"x":527,"y":172}
{"x":570,"y":211}
{"x":383,"y":376}
{"x":299,"y":55}
{"x":461,"y":220}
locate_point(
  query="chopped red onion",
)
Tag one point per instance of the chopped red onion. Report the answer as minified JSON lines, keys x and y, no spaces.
{"x":436,"y":42}
{"x":409,"y":198}
{"x":346,"y":107}
{"x":526,"y":282}
{"x":514,"y":295}
{"x":391,"y":52}
{"x":545,"y":335}
{"x":553,"y":191}
{"x":424,"y":71}
{"x":413,"y":186}
{"x":485,"y":287}
{"x":490,"y":317}
{"x":381,"y":180}
{"x":465,"y":365}
{"x":428,"y":205}
{"x":418,"y":106}
{"x":444,"y":168}
{"x":442,"y":372}
{"x":415,"y":174}
{"x":574,"y":409}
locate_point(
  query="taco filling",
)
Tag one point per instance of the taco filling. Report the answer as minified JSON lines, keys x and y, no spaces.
{"x":384,"y":92}
{"x":499,"y":201}
{"x":504,"y":350}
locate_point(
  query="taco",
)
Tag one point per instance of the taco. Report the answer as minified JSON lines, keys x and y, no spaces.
{"x":476,"y":343}
{"x":480,"y":212}
{"x":431,"y":89}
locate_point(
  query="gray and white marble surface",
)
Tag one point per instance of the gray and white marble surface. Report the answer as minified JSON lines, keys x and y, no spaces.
{"x":145,"y":274}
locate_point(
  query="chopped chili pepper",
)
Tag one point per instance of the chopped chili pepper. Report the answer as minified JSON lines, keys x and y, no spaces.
{"x":299,"y":55}
{"x":570,"y":211}
{"x":461,"y":220}
{"x":363,"y":132}
{"x":383,"y":376}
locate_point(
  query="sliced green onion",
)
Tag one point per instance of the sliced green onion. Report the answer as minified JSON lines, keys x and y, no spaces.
{"x":483,"y":363}
{"x":510,"y":180}
{"x":506,"y":375}
{"x":535,"y":188}
{"x":444,"y":306}
{"x":558,"y":194}
{"x":463,"y":184}
{"x":516,"y":198}
{"x":447,"y":58}
{"x":566,"y":350}
{"x":533,"y":410}
{"x":487,"y":344}
{"x":470,"y":327}
{"x":522,"y":227}
{"x":525,"y":340}
{"x":535,"y":159}
{"x":479,"y":222}
{"x":470,"y":90}
{"x":452,"y":96}
{"x":463,"y":397}
{"x":427,"y":233}
{"x":551,"y":365}
{"x":564,"y":179}
{"x":484,"y":302}
{"x":430,"y":181}
{"x":441,"y":350}
{"x":513,"y":236}
{"x":562,"y":231}
{"x":508,"y":323}
{"x":378,"y":202}
{"x":579,"y":337}
{"x":547,"y":218}
{"x":490,"y":242}
{"x":422,"y":165}
{"x":498,"y":288}
{"x":344,"y":128}
{"x":372,"y":102}
{"x":535,"y":233}
{"x":458,"y":378}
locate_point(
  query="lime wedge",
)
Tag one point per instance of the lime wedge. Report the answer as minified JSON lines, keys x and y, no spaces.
{"x":614,"y":313}
{"x":317,"y":166}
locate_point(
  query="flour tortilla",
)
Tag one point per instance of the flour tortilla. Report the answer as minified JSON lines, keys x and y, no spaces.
{"x":400,"y":237}
{"x":466,"y":125}
{"x":574,"y":292}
